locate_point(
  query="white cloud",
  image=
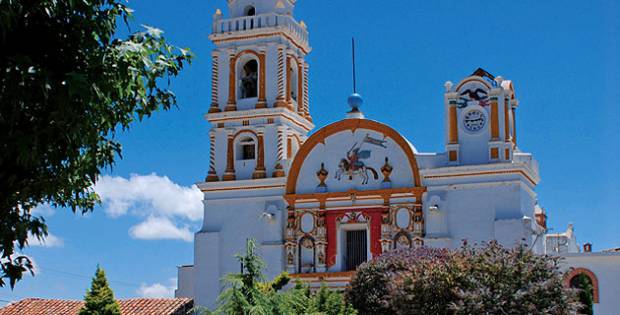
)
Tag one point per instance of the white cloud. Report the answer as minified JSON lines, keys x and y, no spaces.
{"x":50,"y":241}
{"x":44,"y":210}
{"x":166,"y":208}
{"x":157,"y":228}
{"x":157,"y":290}
{"x":145,"y":195}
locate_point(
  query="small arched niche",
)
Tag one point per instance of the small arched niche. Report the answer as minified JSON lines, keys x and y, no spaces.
{"x":402,"y":241}
{"x":306,"y":255}
{"x":248,"y":78}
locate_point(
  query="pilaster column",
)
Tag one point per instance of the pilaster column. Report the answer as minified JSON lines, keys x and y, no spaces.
{"x":452,"y":146}
{"x":262,"y":80}
{"x":506,"y":120}
{"x":306,"y":93}
{"x":259,"y":171}
{"x":514,"y":121}
{"x":291,"y":241}
{"x":453,"y":131}
{"x":232,"y":83}
{"x":289,"y":101}
{"x":300,"y":88}
{"x":212,"y":175}
{"x":229,"y":173}
{"x":494,"y":115}
{"x":215,"y":69}
{"x":279,"y":169}
{"x":281,"y":98}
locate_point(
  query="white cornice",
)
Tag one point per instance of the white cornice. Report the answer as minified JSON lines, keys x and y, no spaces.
{"x":240,"y":115}
{"x":468,"y":172}
{"x":246,"y":184}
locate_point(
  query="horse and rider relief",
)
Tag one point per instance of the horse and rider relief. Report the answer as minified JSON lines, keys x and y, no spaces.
{"x":354,"y":165}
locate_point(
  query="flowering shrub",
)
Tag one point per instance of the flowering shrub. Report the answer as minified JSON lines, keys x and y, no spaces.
{"x":486,"y":280}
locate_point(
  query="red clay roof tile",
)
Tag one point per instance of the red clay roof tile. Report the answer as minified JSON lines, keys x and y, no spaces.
{"x":139,"y":306}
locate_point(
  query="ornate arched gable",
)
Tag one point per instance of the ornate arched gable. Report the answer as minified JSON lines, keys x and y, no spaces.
{"x":353,"y":154}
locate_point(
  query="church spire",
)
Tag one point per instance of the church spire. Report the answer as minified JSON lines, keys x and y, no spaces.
{"x":355,"y":100}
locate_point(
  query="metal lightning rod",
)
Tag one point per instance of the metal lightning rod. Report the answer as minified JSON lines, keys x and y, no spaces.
{"x":353,"y":53}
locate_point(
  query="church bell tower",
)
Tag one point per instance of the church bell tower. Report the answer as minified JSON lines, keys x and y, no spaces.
{"x":259,"y":105}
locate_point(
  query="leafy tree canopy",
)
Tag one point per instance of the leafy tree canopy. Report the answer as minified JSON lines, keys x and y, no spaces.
{"x":487,"y":280}
{"x":67,"y":85}
{"x":248,"y":293}
{"x":99,"y":299}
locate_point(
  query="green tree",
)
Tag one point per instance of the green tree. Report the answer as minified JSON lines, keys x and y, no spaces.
{"x":248,"y":293}
{"x":99,"y":299}
{"x":583,"y":284}
{"x":68,"y":84}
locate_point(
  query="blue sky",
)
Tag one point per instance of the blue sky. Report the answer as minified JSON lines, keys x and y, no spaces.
{"x":561,"y":55}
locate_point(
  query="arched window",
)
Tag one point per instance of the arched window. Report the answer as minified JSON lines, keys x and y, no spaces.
{"x":250,"y":11}
{"x":249,"y":79}
{"x":585,"y":281}
{"x":246,"y":149}
{"x":583,"y":284}
{"x":306,"y":255}
{"x":294,"y":80}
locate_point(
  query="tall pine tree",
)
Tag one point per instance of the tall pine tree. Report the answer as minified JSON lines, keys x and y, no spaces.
{"x":99,"y":299}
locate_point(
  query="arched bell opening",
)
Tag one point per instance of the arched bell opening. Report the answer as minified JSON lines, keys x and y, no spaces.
{"x":248,"y":75}
{"x":294,"y":80}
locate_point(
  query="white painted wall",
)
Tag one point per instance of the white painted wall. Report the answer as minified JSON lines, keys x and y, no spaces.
{"x":606,"y":267}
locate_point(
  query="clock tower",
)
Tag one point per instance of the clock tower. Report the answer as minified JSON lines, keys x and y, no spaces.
{"x":480,"y":120}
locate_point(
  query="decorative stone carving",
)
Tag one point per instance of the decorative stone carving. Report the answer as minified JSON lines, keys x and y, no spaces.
{"x":353,"y":217}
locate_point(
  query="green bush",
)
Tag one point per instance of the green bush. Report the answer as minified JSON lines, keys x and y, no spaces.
{"x":487,"y":280}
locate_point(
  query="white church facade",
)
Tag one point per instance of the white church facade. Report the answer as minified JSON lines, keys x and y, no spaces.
{"x":320,"y":202}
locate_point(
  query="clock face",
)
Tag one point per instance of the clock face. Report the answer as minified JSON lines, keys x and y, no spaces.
{"x":474,"y":120}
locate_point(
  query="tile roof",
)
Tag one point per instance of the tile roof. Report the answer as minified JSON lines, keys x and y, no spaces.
{"x":139,"y":306}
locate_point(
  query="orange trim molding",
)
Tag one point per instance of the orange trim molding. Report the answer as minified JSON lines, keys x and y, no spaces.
{"x":348,"y":124}
{"x":473,"y":78}
{"x":386,"y":194}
